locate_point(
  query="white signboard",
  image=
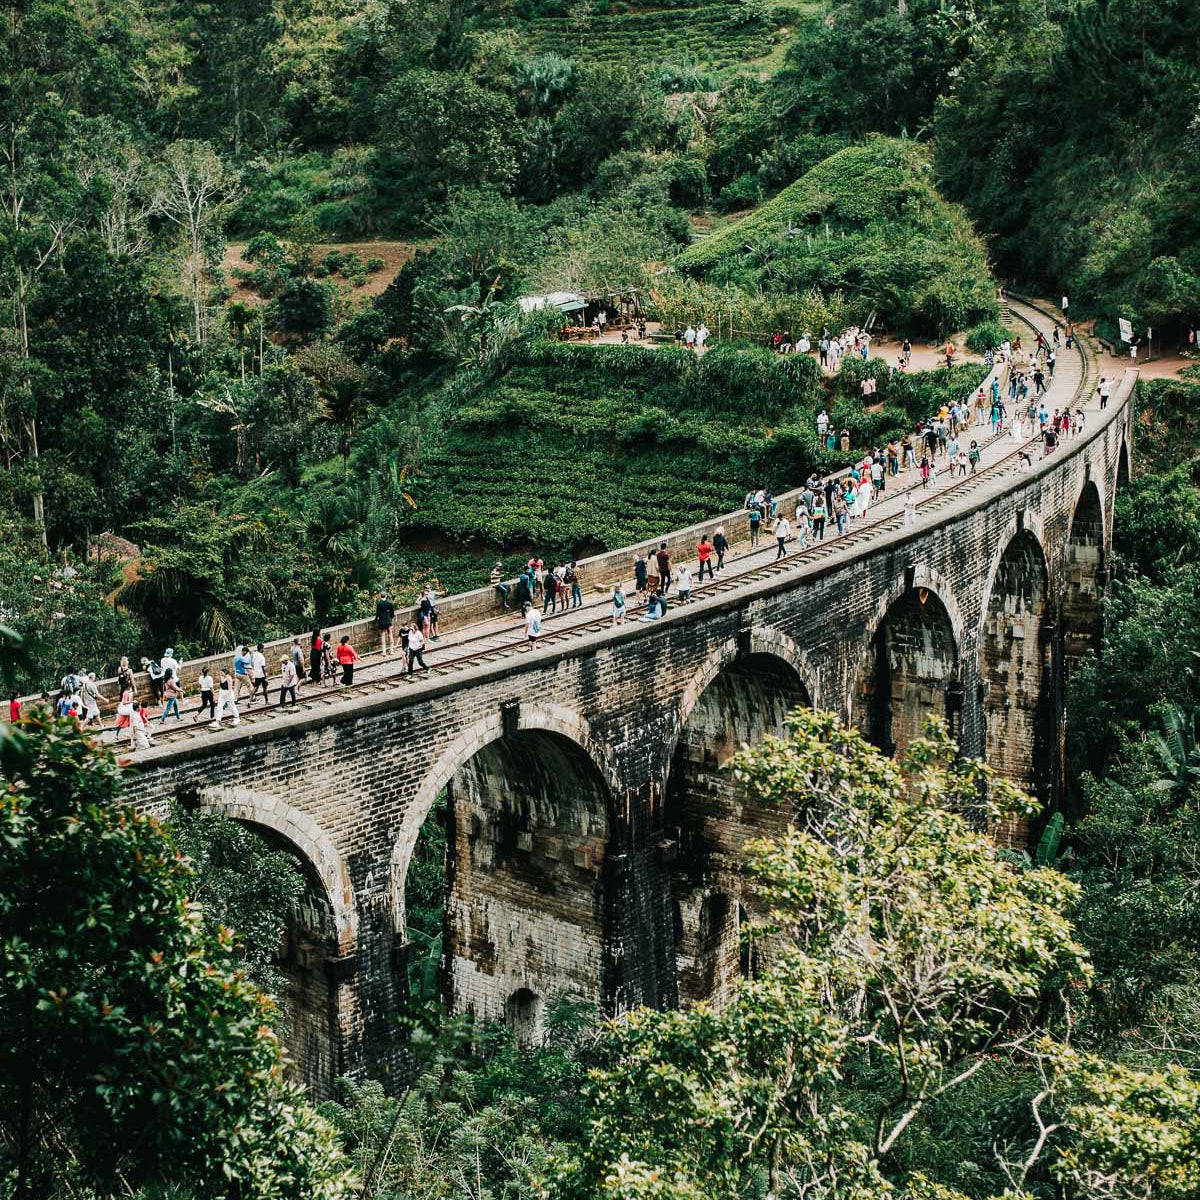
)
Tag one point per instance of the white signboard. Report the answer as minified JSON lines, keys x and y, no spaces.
{"x":1126,"y":329}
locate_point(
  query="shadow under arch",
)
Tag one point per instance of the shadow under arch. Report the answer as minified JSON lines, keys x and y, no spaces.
{"x":527,"y":820}
{"x":709,"y":816}
{"x":909,"y":662}
{"x":765,"y":642}
{"x":550,"y":718}
{"x":307,"y":840}
{"x":1085,"y":575}
{"x":1124,"y":465}
{"x":1017,"y":665}
{"x":321,"y":932}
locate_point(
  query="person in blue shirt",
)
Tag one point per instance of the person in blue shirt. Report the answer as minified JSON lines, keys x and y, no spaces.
{"x":241,"y":673}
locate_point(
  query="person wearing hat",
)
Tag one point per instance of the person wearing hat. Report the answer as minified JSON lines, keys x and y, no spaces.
{"x":288,"y":680}
{"x":169,"y":663}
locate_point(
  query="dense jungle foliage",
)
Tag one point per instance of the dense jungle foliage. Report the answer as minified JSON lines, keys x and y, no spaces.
{"x":194,"y":361}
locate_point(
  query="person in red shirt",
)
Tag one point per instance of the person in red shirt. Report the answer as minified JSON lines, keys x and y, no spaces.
{"x":347,"y":656}
{"x":704,"y":552}
{"x":14,"y":709}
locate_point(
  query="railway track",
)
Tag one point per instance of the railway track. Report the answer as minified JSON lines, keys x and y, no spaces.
{"x":489,"y":645}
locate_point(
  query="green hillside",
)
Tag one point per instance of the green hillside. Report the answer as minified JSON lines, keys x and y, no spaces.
{"x":867,"y":220}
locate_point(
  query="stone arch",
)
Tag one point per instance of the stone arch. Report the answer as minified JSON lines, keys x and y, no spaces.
{"x":772,"y":643}
{"x":319,"y":958}
{"x":1016,"y":665}
{"x":708,"y":815}
{"x":1124,"y":464}
{"x":528,"y":813}
{"x":909,"y":664}
{"x":308,"y":840}
{"x":523,"y":1014}
{"x":1085,"y":574}
{"x":551,"y":718}
{"x":1026,"y":521}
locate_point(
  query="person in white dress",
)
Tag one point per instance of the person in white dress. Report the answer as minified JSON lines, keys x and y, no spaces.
{"x":864,"y":496}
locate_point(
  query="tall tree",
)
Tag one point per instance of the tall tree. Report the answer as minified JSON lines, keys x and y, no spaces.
{"x":43,"y":200}
{"x":195,"y":190}
{"x":134,"y":1053}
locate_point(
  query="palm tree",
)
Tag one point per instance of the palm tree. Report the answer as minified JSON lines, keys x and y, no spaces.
{"x":1177,"y":750}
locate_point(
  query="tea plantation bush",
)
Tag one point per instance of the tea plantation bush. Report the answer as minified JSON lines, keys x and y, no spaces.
{"x":583,"y":448}
{"x":718,"y":35}
{"x":868,"y":221}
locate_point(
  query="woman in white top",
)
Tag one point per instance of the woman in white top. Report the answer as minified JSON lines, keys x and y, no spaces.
{"x":683,"y":584}
{"x":225,"y":701}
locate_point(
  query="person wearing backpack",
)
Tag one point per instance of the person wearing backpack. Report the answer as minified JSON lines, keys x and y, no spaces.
{"x":576,"y":584}
{"x":155,"y":671}
{"x":720,"y":544}
{"x":755,"y":526}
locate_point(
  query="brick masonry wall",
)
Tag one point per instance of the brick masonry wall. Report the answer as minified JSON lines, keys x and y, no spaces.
{"x":350,"y":790}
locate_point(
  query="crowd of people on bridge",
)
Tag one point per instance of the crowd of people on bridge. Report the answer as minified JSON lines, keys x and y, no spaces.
{"x":948,"y":440}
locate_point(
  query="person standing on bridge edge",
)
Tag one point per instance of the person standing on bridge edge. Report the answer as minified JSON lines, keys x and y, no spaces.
{"x":524,"y":591}
{"x":385,"y":615}
{"x":704,"y":549}
{"x":429,"y":612}
{"x":663,"y":559}
{"x":641,"y":572}
{"x":288,"y":680}
{"x":347,"y":656}
{"x":720,"y":545}
{"x":499,"y":586}
{"x":574,"y":579}
{"x":1103,"y":391}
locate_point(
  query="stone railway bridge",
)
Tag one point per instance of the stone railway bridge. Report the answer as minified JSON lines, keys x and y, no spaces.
{"x":593,"y":841}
